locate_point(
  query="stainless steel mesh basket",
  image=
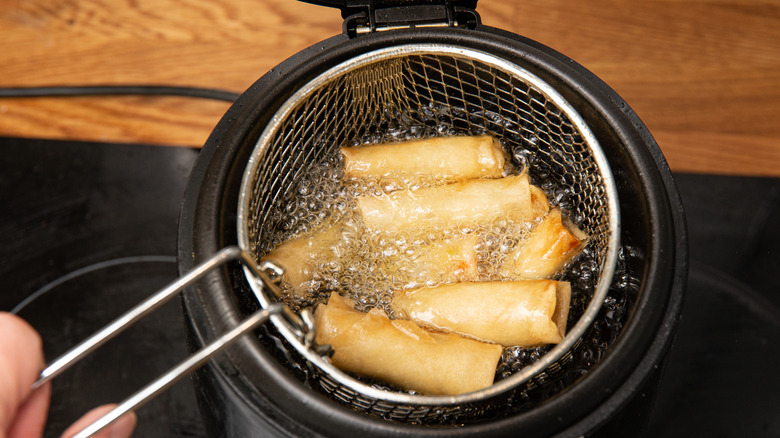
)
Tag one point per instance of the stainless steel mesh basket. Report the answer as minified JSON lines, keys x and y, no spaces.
{"x":419,"y":90}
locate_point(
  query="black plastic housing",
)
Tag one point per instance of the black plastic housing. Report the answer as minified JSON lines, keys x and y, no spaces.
{"x":246,"y":392}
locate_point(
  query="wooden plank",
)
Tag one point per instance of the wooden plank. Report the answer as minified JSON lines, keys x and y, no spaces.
{"x":702,"y":74}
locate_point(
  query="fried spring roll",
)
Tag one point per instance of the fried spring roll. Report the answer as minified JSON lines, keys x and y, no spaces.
{"x":447,"y":261}
{"x":522,"y":313}
{"x":402,"y":353}
{"x":460,"y":204}
{"x":549,"y":246}
{"x":442,"y":158}
{"x":299,"y":256}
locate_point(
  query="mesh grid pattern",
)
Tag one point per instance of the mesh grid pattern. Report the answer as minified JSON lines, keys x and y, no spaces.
{"x":419,"y":93}
{"x":458,"y":96}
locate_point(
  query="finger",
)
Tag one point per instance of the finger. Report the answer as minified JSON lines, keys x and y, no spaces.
{"x":121,"y":428}
{"x":30,"y":419}
{"x":21,"y":359}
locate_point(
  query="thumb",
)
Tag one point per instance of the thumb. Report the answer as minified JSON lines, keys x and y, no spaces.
{"x":22,"y":413}
{"x":121,"y":428}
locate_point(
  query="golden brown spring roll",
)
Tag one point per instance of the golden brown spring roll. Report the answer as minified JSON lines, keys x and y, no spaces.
{"x":549,"y":246}
{"x":441,"y":158}
{"x":442,"y":261}
{"x":402,"y":353}
{"x":460,"y":204}
{"x":523,"y":313}
{"x":299,"y":256}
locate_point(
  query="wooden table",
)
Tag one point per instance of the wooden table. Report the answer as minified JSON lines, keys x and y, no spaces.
{"x":704,"y":75}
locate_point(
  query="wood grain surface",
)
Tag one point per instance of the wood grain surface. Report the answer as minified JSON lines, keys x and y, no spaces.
{"x":704,"y":75}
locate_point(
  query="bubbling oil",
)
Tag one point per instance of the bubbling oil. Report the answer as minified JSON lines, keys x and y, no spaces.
{"x":368,"y":266}
{"x":361,"y":270}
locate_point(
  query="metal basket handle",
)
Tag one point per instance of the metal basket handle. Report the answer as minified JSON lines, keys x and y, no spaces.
{"x":194,"y":361}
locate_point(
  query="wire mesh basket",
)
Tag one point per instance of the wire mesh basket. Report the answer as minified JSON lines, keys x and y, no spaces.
{"x":416,"y":91}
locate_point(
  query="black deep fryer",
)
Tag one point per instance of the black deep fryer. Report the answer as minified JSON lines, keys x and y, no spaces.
{"x":270,"y":382}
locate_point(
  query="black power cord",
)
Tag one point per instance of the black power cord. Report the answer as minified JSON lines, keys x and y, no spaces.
{"x":119,"y":90}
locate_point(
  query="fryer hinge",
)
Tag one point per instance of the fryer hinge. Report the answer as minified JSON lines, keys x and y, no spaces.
{"x":367,"y":16}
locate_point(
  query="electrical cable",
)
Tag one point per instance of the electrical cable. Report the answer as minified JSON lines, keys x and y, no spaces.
{"x":87,"y":269}
{"x":118,"y":90}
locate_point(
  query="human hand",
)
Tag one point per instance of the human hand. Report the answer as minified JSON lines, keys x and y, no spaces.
{"x":22,"y":410}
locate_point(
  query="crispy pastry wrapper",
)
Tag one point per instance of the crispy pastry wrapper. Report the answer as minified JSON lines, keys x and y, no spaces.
{"x":455,"y":259}
{"x":512,"y":313}
{"x":300,"y":255}
{"x":446,"y":159}
{"x":441,"y":261}
{"x":402,"y":353}
{"x":548,"y":247}
{"x":460,"y":204}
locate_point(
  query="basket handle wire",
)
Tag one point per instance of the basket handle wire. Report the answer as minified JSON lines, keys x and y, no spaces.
{"x":197,"y":359}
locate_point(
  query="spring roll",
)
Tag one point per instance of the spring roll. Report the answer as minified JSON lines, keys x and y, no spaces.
{"x":441,"y":261}
{"x":512,"y":313}
{"x":401,"y":353}
{"x":463,"y":204}
{"x":441,"y":158}
{"x":549,"y":246}
{"x":300,"y":256}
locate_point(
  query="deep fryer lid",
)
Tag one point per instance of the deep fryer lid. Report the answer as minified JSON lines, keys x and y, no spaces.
{"x":378,"y":14}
